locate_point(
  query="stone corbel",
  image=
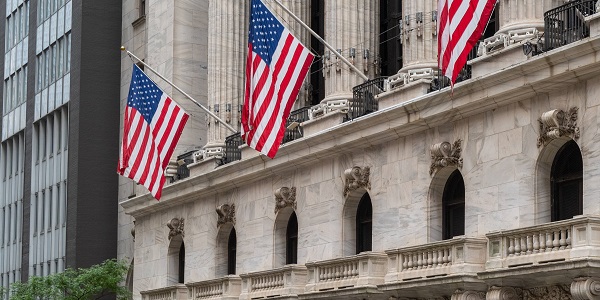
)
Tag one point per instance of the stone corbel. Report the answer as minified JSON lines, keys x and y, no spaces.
{"x":175,"y":227}
{"x":558,"y":123}
{"x":355,"y":178}
{"x":467,"y":295}
{"x":226,"y":214}
{"x":445,"y":154}
{"x":585,"y":288}
{"x":285,"y":197}
{"x":503,"y":293}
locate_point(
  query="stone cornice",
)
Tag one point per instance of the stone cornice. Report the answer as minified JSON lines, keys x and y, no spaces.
{"x":544,"y":73}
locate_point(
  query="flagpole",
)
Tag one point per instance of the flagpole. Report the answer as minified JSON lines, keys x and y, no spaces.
{"x":178,"y":89}
{"x":360,"y":73}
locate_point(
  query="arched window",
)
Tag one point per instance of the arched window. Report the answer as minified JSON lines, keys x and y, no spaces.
{"x":231,"y":252}
{"x":566,"y":182}
{"x":453,"y":206}
{"x":291,"y":240}
{"x":364,"y":224}
{"x":181,"y":263}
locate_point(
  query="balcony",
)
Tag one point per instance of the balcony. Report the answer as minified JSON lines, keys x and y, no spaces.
{"x":363,"y":99}
{"x":288,"y":281}
{"x":293,"y":130}
{"x":547,"y":250}
{"x":226,"y":288}
{"x":176,"y":292}
{"x":333,"y":278}
{"x":565,"y":24}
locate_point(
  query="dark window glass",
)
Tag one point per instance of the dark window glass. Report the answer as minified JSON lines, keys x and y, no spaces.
{"x":567,"y":182}
{"x":453,"y":206}
{"x":181,"y":263}
{"x":364,"y":224}
{"x":291,"y":241}
{"x":231,"y":252}
{"x":390,"y":45}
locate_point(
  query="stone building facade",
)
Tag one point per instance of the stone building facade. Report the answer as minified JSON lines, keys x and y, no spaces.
{"x":486,"y":191}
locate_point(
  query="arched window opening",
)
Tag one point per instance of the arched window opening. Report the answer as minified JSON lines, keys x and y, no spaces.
{"x":566,"y":182}
{"x":231,"y":252}
{"x":181,"y":263}
{"x":453,"y":206}
{"x":291,"y":240}
{"x":364,"y":224}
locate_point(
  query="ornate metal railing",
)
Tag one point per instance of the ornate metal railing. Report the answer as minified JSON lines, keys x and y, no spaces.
{"x":232,"y":148}
{"x":565,"y":24}
{"x":440,"y":81}
{"x":363,"y":99}
{"x":293,"y":130}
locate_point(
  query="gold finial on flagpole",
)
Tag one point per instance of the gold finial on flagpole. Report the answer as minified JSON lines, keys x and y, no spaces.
{"x":123,"y":48}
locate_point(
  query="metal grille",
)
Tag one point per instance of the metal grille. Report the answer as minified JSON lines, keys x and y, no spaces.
{"x":364,"y":101}
{"x":292,"y":129}
{"x":440,"y":81}
{"x":232,"y":150}
{"x":565,"y":24}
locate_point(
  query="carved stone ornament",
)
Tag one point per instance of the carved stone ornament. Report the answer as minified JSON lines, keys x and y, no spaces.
{"x":356,"y":178}
{"x":585,"y":288}
{"x":285,"y":197}
{"x":175,"y":227}
{"x":467,"y":295}
{"x":558,"y":123}
{"x":133,"y":230}
{"x":503,"y":293}
{"x":444,"y":154}
{"x":226,"y":214}
{"x":556,"y":292}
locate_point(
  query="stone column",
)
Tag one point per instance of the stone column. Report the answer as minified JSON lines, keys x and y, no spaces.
{"x":419,"y":34}
{"x":502,"y":293}
{"x":585,"y":288}
{"x":227,"y":49}
{"x":352,"y":26}
{"x":301,"y":8}
{"x":520,"y":14}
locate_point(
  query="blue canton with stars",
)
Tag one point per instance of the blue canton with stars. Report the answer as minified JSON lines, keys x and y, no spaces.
{"x":265,"y":31}
{"x":144,"y":95}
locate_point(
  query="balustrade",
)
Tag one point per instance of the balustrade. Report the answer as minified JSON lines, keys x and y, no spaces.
{"x":176,"y":292}
{"x":288,"y":280}
{"x":228,"y":287}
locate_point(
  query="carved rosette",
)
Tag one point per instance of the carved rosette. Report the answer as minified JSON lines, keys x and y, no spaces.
{"x":503,"y":293}
{"x":226,"y":214}
{"x":585,"y":288}
{"x":175,"y":227}
{"x":558,"y":123}
{"x":356,"y":178}
{"x":556,"y":292}
{"x":467,"y":295}
{"x":445,"y":154}
{"x":285,"y":197}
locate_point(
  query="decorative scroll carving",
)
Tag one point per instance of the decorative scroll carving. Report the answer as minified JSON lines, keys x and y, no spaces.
{"x":467,"y":295}
{"x":585,"y":288}
{"x":444,"y":154}
{"x":558,"y":123}
{"x":226,"y":214}
{"x":503,"y":293}
{"x":175,"y":227}
{"x":285,"y":197}
{"x":556,"y":292}
{"x":356,"y":178}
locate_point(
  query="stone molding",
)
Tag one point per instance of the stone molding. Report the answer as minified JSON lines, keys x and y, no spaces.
{"x":226,"y":214}
{"x":503,"y":293}
{"x":555,"y":292}
{"x":467,"y":295}
{"x":355,"y":178}
{"x":175,"y":227}
{"x":445,"y":154}
{"x":285,"y":197}
{"x":558,"y":123}
{"x":585,"y":288}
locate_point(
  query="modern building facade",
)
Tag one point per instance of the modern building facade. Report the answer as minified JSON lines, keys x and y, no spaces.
{"x":393,"y":188}
{"x":59,"y":135}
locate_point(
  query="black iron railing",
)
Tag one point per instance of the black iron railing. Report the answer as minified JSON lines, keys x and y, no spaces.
{"x":565,"y":24}
{"x":293,"y":130}
{"x":363,"y":99}
{"x":440,"y":81}
{"x":183,"y":161}
{"x":232,"y":148}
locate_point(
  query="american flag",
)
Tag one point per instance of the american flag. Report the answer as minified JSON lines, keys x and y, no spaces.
{"x":277,"y":64}
{"x":461,"y":24}
{"x":152,"y":126}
